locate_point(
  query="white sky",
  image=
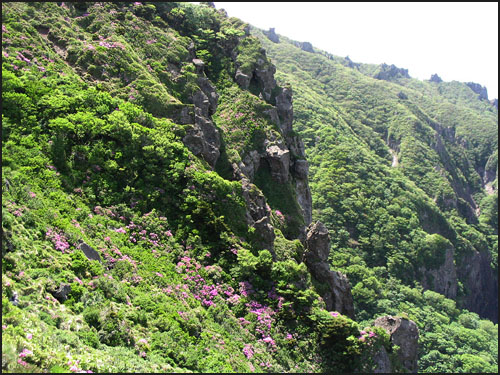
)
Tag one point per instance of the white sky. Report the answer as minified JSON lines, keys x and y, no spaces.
{"x":458,"y":41}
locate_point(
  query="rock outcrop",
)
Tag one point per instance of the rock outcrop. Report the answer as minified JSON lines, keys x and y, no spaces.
{"x":444,"y":279}
{"x":61,"y":294}
{"x":337,"y":295}
{"x":305,"y":46}
{"x":203,"y":138}
{"x":403,"y":333}
{"x":349,"y":63}
{"x":286,"y":160}
{"x":467,"y":206}
{"x":14,"y":298}
{"x":490,"y":169}
{"x":271,"y":34}
{"x":435,"y":78}
{"x":278,"y":158}
{"x":300,"y":166}
{"x":494,"y":103}
{"x":391,"y":71}
{"x":478,"y":89}
{"x":481,"y":284}
{"x":258,"y":215}
{"x":382,"y":362}
{"x":402,"y":95}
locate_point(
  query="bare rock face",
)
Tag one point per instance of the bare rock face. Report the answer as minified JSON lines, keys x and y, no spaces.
{"x":338,"y":296}
{"x":478,"y":89}
{"x":304,"y":199}
{"x":494,"y":103}
{"x":271,"y":34}
{"x":250,"y":164}
{"x":382,"y":362}
{"x":444,"y":279}
{"x":301,"y":169}
{"x":285,"y":109}
{"x":263,"y":73}
{"x":404,"y":333}
{"x":490,"y":169}
{"x":258,"y":215}
{"x":203,"y":138}
{"x":304,"y":46}
{"x":242,"y":79}
{"x":279,"y":162}
{"x":481,"y":285}
{"x":286,"y":160}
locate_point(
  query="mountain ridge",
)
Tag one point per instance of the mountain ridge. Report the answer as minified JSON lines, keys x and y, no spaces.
{"x":162,"y":189}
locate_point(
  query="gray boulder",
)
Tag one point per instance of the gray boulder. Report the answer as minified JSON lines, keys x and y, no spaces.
{"x":61,"y":294}
{"x":89,"y":252}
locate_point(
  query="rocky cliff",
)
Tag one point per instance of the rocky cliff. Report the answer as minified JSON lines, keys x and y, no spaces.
{"x":403,"y":333}
{"x":336,"y":290}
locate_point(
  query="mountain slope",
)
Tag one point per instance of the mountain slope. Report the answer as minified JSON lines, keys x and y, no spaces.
{"x":397,"y":175}
{"x":160,"y":214}
{"x":155,"y":200}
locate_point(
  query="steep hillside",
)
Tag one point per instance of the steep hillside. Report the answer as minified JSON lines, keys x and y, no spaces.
{"x":397,"y":174}
{"x":156,"y":202}
{"x":175,"y":201}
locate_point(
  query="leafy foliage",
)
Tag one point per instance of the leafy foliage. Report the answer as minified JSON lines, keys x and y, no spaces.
{"x":396,"y":172}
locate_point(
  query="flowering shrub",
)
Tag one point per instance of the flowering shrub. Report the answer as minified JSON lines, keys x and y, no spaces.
{"x":58,"y":239}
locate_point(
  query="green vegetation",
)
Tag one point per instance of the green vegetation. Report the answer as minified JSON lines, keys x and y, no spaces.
{"x":93,"y":160}
{"x":122,"y":251}
{"x":391,"y":226}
